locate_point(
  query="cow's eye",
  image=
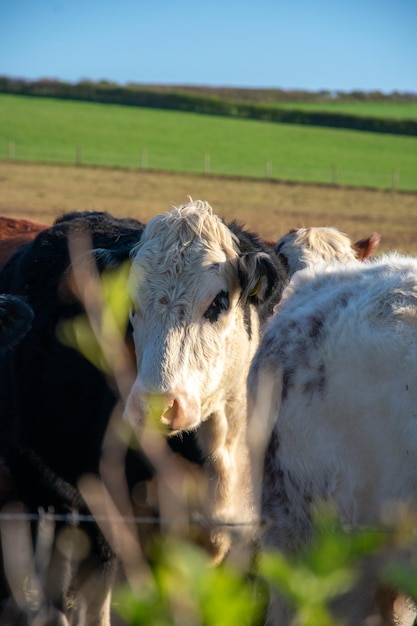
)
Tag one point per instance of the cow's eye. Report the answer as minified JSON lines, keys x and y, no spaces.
{"x":219,"y":304}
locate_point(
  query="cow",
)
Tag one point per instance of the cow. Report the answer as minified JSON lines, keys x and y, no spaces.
{"x":16,"y":318}
{"x":209,"y":283}
{"x":41,"y":590}
{"x":14,"y":232}
{"x":201,"y":291}
{"x":303,"y":247}
{"x":56,"y":405}
{"x":16,"y":226}
{"x":332,"y":417}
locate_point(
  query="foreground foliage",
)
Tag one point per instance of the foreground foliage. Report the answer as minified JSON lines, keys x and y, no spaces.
{"x":183,"y":589}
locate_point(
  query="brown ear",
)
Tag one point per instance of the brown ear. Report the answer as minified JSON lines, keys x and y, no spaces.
{"x":365,"y":248}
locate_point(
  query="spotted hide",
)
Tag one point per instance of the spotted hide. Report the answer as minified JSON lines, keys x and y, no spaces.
{"x":333,"y":390}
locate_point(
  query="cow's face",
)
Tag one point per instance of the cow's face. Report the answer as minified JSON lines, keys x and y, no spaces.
{"x":193,"y":326}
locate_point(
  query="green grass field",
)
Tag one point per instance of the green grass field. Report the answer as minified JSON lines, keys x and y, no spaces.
{"x":395,"y":110}
{"x":50,"y":130}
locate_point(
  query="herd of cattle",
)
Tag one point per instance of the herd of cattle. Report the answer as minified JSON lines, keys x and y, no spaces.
{"x":252,"y":382}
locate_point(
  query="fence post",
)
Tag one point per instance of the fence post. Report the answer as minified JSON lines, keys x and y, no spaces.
{"x":268,"y":169}
{"x":207,"y":163}
{"x":143,"y":159}
{"x":395,"y":179}
{"x":78,"y":155}
{"x":334,"y":174}
{"x":10,"y":149}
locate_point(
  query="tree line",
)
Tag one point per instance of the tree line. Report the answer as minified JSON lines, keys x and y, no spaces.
{"x":259,"y":104}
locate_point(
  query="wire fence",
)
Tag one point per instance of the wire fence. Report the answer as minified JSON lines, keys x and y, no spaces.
{"x":75,"y":519}
{"x":146,"y":159}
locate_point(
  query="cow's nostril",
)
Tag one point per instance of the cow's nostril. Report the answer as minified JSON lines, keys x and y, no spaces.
{"x":170,"y":412}
{"x":174,"y":410}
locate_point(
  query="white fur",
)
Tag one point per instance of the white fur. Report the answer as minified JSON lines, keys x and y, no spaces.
{"x":194,"y":368}
{"x":305,"y":247}
{"x":338,"y":364}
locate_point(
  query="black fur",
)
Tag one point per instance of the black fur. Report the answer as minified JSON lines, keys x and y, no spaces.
{"x":261,"y":272}
{"x":16,"y":318}
{"x":24,"y":477}
{"x":55,"y":405}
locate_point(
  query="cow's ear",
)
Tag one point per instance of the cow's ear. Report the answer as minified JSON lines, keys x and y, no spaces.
{"x":259,"y":276}
{"x":99,"y":259}
{"x":365,"y":248}
{"x":109,"y":259}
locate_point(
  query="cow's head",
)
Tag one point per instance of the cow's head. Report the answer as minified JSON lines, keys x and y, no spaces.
{"x":195,"y":319}
{"x":306,"y":247}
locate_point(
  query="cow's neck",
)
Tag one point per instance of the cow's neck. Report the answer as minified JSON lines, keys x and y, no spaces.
{"x":223,"y":435}
{"x":229,"y":501}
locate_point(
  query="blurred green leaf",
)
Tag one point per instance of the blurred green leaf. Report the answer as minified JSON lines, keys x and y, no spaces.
{"x":326,"y":569}
{"x":188,"y":591}
{"x":116,"y":295}
{"x":77,"y":332}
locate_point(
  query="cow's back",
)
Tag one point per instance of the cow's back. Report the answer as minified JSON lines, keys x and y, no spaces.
{"x":342,"y":354}
{"x":333,"y":387}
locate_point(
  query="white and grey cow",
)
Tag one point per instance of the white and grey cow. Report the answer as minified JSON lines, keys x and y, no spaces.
{"x":333,"y":409}
{"x":201,"y":289}
{"x":304,"y":247}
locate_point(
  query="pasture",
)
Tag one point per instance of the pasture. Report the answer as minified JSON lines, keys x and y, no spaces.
{"x":43,"y":192}
{"x":63,"y":131}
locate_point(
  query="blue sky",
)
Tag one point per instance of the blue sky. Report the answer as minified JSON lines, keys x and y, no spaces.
{"x":302,"y":44}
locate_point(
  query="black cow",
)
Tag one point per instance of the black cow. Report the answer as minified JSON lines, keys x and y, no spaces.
{"x":55,"y":404}
{"x":60,"y":577}
{"x":46,"y":382}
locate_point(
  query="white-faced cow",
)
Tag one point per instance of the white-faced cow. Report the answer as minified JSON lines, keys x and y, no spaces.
{"x":304,"y":247}
{"x":201,"y":289}
{"x":333,"y":399}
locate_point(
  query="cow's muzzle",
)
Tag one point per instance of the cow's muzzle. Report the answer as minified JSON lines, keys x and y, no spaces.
{"x":178,"y":411}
